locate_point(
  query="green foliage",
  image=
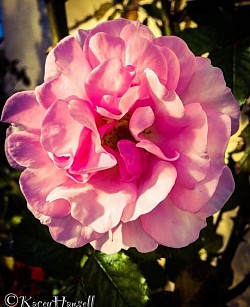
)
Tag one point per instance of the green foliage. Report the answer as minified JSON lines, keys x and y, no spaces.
{"x":224,"y":34}
{"x":115,"y":280}
{"x":234,"y":60}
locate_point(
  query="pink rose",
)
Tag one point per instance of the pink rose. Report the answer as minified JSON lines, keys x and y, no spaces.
{"x":123,"y":144}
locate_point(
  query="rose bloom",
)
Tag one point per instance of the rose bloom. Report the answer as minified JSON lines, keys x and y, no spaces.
{"x":123,"y":144}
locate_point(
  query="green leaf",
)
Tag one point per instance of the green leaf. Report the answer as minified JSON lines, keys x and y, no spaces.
{"x":234,"y":60}
{"x":74,"y":290}
{"x":34,"y":246}
{"x":200,"y":40}
{"x":115,"y":281}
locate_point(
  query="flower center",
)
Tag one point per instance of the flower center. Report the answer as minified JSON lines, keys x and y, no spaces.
{"x":119,"y":132}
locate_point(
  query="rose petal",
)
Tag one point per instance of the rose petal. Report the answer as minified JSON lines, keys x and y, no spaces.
{"x":91,"y":203}
{"x":220,"y":99}
{"x":168,"y":106}
{"x":103,"y":46}
{"x":157,"y":182}
{"x":142,"y":118}
{"x":23,"y":109}
{"x":81,"y":36}
{"x":148,"y":57}
{"x":36,"y":184}
{"x":222,"y":193}
{"x":135,"y":236}
{"x":70,"y":232}
{"x":109,"y":78}
{"x":74,"y":69}
{"x":110,"y":242}
{"x":185,"y":56}
{"x":134,"y":160}
{"x":173,"y":68}
{"x":171,"y":226}
{"x":25,"y":148}
{"x":57,"y":129}
{"x":135,"y":30}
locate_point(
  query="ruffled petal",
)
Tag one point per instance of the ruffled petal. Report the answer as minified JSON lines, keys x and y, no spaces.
{"x":168,"y":108}
{"x":90,"y":156}
{"x":192,"y":145}
{"x":23,"y":109}
{"x":81,"y":36}
{"x":193,"y":200}
{"x":36,"y":184}
{"x":109,"y":78}
{"x":124,"y":236}
{"x":134,"y":30}
{"x":219,"y":99}
{"x":185,"y":57}
{"x":222,"y":193}
{"x":142,"y":118}
{"x":74,"y":69}
{"x":25,"y":148}
{"x":70,"y":232}
{"x":171,"y":226}
{"x":135,"y":236}
{"x":156,"y":184}
{"x":110,"y":242}
{"x":133,"y":162}
{"x":149,"y":57}
{"x":173,"y":68}
{"x":103,"y":46}
{"x":95,"y":203}
{"x":57,"y":130}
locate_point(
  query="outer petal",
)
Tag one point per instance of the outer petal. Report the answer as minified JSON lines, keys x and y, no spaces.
{"x":149,"y":57}
{"x":103,"y":46}
{"x":208,"y":88}
{"x":222,"y":193}
{"x":154,"y":187}
{"x":173,"y":65}
{"x":60,"y":132}
{"x":134,"y":30}
{"x":191,"y":143}
{"x":109,"y":78}
{"x":73,"y":68}
{"x":81,"y":36}
{"x":171,"y":226}
{"x":112,"y":27}
{"x":217,"y":142}
{"x":37,"y":184}
{"x":98,"y":202}
{"x":110,"y":242}
{"x":193,"y":200}
{"x":124,"y":236}
{"x":23,"y":109}
{"x":70,"y":232}
{"x":25,"y":148}
{"x":185,"y":56}
{"x":168,"y":106}
{"x":135,"y":236}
